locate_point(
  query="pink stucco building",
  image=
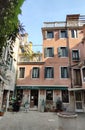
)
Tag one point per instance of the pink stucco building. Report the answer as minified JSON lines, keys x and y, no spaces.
{"x":59,"y":72}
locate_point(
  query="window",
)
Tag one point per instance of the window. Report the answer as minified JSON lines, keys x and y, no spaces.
{"x":35,"y":72}
{"x":83,"y":71}
{"x":50,"y":34}
{"x":75,"y":55}
{"x":63,"y":34}
{"x":65,"y":96}
{"x":49,"y":52}
{"x":74,"y":33}
{"x":62,"y":51}
{"x":64,"y":72}
{"x":21,"y":72}
{"x":49,"y":95}
{"x":49,"y":72}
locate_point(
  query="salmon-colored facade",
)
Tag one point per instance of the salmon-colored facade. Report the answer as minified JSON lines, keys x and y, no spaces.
{"x":60,"y":73}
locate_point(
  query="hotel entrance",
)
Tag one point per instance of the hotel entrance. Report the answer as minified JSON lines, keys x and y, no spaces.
{"x":34,"y":98}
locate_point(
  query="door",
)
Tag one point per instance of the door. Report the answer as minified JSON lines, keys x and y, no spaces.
{"x":77,"y":77}
{"x":34,"y":98}
{"x":78,"y":101}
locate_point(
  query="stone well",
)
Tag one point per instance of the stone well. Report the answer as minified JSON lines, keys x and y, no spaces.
{"x":67,"y":121}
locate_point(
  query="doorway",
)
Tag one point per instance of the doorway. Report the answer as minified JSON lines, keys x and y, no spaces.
{"x":34,"y":98}
{"x":78,"y":101}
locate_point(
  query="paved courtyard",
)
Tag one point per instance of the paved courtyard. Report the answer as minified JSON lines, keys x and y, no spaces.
{"x":34,"y":120}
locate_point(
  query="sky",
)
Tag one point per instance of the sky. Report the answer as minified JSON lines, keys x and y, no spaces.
{"x":36,"y":12}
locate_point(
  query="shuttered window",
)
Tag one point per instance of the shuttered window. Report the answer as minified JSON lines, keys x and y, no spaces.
{"x":49,"y":52}
{"x":64,"y":72}
{"x":35,"y":72}
{"x":49,"y":72}
{"x":75,"y":55}
{"x":63,"y":34}
{"x":50,"y":34}
{"x":21,"y":72}
{"x":63,"y":52}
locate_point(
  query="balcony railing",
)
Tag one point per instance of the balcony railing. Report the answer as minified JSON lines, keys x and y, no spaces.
{"x":26,"y":59}
{"x":63,"y":24}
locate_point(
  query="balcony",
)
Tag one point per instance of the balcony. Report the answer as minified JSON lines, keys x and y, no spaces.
{"x":54,"y":24}
{"x":74,"y":23}
{"x":27,"y":59}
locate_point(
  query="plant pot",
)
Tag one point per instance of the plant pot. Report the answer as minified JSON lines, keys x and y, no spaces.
{"x":1,"y":113}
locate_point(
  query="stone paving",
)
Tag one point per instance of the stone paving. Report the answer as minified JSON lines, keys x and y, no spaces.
{"x":34,"y":120}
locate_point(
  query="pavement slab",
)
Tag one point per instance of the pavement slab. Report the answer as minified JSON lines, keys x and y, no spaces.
{"x":35,"y":120}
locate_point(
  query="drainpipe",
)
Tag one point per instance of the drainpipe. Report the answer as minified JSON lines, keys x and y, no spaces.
{"x":69,"y":56}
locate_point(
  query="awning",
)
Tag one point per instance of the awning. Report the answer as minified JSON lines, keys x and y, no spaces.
{"x":75,"y":89}
{"x":42,"y":87}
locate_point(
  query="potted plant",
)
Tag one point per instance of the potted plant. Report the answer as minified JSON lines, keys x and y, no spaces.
{"x":1,"y":112}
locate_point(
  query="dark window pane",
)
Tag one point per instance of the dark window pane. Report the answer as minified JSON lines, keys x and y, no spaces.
{"x":21,"y":72}
{"x":63,"y":34}
{"x":65,"y":96}
{"x":49,"y":95}
{"x":64,"y":72}
{"x":74,"y":33}
{"x":62,"y":51}
{"x":49,"y":72}
{"x":35,"y":72}
{"x":50,"y":35}
{"x":49,"y":52}
{"x":75,"y":55}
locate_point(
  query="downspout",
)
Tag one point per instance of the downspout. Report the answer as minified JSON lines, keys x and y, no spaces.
{"x":69,"y":56}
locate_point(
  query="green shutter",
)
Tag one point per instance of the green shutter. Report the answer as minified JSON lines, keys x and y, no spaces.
{"x":45,"y":71}
{"x":66,"y":51}
{"x":59,"y":52}
{"x":52,"y":72}
{"x":62,"y":72}
{"x":45,"y":52}
{"x":52,"y":52}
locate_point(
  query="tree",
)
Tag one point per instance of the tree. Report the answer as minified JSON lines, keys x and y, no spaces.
{"x":9,"y":22}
